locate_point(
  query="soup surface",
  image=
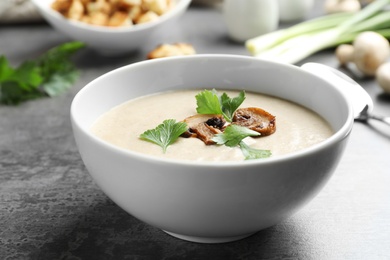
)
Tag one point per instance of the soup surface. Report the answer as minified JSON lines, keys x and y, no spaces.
{"x":296,"y":127}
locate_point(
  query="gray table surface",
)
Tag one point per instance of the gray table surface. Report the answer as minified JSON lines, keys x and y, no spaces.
{"x":50,"y":207}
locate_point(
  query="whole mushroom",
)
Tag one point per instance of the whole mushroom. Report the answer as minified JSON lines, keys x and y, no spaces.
{"x":383,"y":77}
{"x":337,"y":6}
{"x":368,"y":51}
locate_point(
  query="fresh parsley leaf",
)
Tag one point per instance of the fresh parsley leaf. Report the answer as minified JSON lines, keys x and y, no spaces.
{"x":208,"y":102}
{"x":233,"y":135}
{"x":165,"y":134}
{"x":59,"y":82}
{"x":56,"y":64}
{"x":5,"y":69}
{"x":230,"y":105}
{"x":252,"y":153}
{"x":11,"y":93}
{"x":49,"y":75}
{"x":27,"y":75}
{"x":57,"y":69}
{"x":20,"y":84}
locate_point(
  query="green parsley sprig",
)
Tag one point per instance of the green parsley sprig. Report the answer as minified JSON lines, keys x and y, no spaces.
{"x":209,"y":102}
{"x":252,"y":153}
{"x":234,"y":135}
{"x":49,"y":75}
{"x":165,"y":134}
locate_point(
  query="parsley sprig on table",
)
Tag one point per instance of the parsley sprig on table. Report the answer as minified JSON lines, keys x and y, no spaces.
{"x":47,"y":76}
{"x":208,"y":102}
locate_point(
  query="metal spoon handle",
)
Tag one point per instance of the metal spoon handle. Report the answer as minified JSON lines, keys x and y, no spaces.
{"x":382,"y":119}
{"x":359,"y":98}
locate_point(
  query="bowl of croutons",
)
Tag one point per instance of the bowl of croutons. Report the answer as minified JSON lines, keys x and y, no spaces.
{"x":111,"y":27}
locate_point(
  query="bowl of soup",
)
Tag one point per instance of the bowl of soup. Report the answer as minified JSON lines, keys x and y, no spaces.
{"x":111,"y":27}
{"x":211,"y":193}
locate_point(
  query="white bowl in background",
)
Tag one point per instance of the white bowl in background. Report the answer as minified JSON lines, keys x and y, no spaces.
{"x":109,"y":40}
{"x":211,"y":202}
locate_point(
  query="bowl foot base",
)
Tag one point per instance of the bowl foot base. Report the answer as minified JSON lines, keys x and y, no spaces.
{"x":208,"y":240}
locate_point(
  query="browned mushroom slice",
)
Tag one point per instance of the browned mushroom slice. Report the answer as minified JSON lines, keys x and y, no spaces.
{"x":204,"y":127}
{"x":255,"y":119}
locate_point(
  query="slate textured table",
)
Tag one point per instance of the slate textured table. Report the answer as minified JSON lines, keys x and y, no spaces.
{"x":51,"y":209}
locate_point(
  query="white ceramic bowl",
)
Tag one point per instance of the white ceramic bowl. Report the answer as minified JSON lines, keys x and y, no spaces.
{"x":210,"y":202}
{"x":107,"y":40}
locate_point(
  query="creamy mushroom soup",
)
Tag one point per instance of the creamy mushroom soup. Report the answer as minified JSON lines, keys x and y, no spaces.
{"x":296,"y":127}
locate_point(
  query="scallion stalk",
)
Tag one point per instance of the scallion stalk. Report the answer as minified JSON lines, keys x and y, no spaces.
{"x":269,"y":40}
{"x":379,"y":21}
{"x":300,"y":41}
{"x":348,"y":38}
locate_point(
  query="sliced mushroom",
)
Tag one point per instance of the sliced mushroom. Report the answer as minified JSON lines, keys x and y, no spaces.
{"x":204,"y":127}
{"x":255,"y":119}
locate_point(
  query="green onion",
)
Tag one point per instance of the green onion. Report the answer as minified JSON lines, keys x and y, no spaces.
{"x":298,"y":42}
{"x":347,"y":38}
{"x":270,"y":40}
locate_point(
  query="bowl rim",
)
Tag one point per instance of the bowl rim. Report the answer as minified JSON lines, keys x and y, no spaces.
{"x":44,"y":8}
{"x":336,"y":137}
